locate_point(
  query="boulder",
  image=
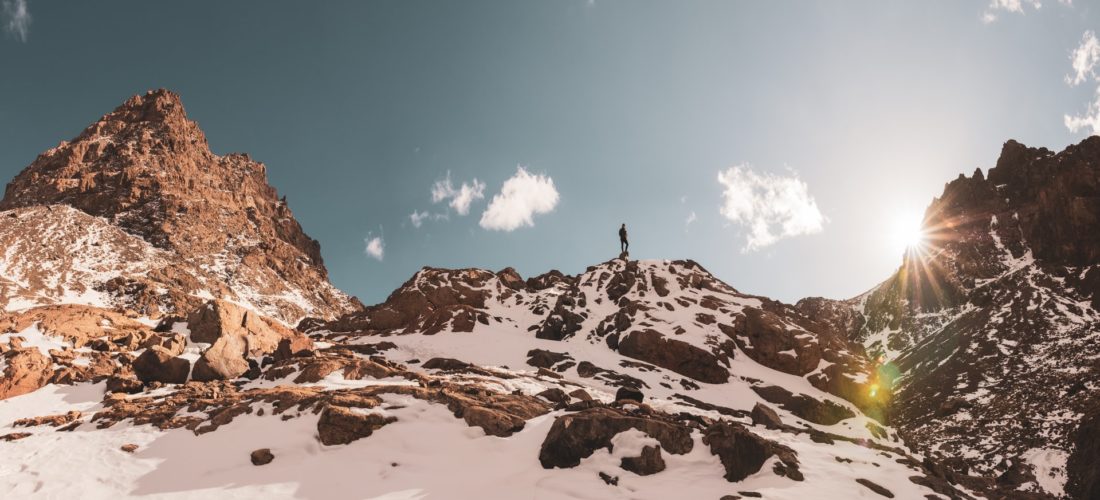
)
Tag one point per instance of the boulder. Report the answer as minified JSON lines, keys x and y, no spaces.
{"x":743,"y":453}
{"x":675,"y":355}
{"x":493,"y":421}
{"x":803,"y":406}
{"x":649,"y":462}
{"x":157,"y":364}
{"x":629,"y":394}
{"x":261,"y":456}
{"x":555,"y":395}
{"x":225,"y":360}
{"x":541,"y":358}
{"x":764,"y":415}
{"x":576,"y":436}
{"x":25,"y":370}
{"x":127,"y":384}
{"x":218,"y":318}
{"x":875,"y":487}
{"x":339,"y":425}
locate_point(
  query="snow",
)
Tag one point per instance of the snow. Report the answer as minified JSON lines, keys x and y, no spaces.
{"x":1050,"y":468}
{"x":34,"y":337}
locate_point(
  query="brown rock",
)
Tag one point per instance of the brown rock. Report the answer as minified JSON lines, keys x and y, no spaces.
{"x":764,"y":415}
{"x":218,"y":319}
{"x":27,"y":370}
{"x":576,"y":436}
{"x":261,"y":456}
{"x":156,"y":364}
{"x":14,"y":436}
{"x":875,"y":488}
{"x":675,"y":355}
{"x":649,"y":462}
{"x":125,"y":384}
{"x":129,"y":448}
{"x":224,"y":360}
{"x":493,"y":421}
{"x":339,"y":425}
{"x":743,"y":453}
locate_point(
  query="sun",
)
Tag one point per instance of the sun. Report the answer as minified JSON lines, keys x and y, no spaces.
{"x":906,"y":231}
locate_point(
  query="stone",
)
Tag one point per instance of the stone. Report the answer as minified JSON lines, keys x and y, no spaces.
{"x":575,"y":436}
{"x":339,"y":425}
{"x":224,"y":360}
{"x":261,"y":456}
{"x":649,"y":462}
{"x":629,"y":394}
{"x":764,"y":415}
{"x":743,"y":453}
{"x":157,"y":364}
{"x":875,"y":488}
{"x":25,"y":370}
{"x":675,"y":355}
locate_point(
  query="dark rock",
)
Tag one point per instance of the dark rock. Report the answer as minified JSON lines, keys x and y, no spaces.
{"x":743,"y":453}
{"x":575,"y":436}
{"x":581,"y":394}
{"x":157,"y":364}
{"x":541,"y":358}
{"x":803,"y":406}
{"x":875,"y":488}
{"x":628,"y":394}
{"x":554,"y":394}
{"x":609,"y":479}
{"x":675,"y":355}
{"x":339,"y":425}
{"x":763,"y":415}
{"x":128,"y":385}
{"x":261,"y":456}
{"x":649,"y":462}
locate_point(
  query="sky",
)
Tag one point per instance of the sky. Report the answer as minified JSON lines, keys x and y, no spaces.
{"x":788,"y":147}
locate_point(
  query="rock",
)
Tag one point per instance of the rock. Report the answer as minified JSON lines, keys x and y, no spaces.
{"x":25,"y":370}
{"x":339,"y":425}
{"x":218,"y":319}
{"x":50,"y":420}
{"x":295,"y":346}
{"x":609,"y":479}
{"x":803,"y":406}
{"x":952,"y":406}
{"x":261,"y":456}
{"x":581,"y":394}
{"x":129,"y":448}
{"x":575,"y":436}
{"x":224,"y":360}
{"x":765,"y":337}
{"x":446,"y":364}
{"x":554,"y":394}
{"x":675,"y":355}
{"x":124,"y":384}
{"x":14,"y":436}
{"x":494,"y":422}
{"x":875,"y":488}
{"x":628,"y":394}
{"x":743,"y":453}
{"x":541,"y":358}
{"x":763,"y":415}
{"x":649,"y":462}
{"x":157,"y":364}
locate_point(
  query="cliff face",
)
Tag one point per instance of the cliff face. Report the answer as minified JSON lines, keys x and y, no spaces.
{"x":217,"y":226}
{"x":993,"y":323}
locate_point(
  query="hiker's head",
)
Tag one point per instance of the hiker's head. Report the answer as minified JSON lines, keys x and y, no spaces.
{"x":624,"y":224}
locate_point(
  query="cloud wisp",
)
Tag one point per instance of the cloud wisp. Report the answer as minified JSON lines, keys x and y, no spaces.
{"x":418,"y":217}
{"x":17,"y":19}
{"x":769,"y":207}
{"x":1084,"y":61}
{"x":460,"y":198}
{"x":375,"y":247}
{"x":521,"y":197}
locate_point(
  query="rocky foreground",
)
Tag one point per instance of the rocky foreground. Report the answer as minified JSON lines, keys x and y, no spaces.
{"x":169,"y":331}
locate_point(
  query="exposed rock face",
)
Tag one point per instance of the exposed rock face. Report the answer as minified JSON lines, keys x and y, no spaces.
{"x":25,"y":371}
{"x":145,"y":170}
{"x":678,"y":356}
{"x":578,"y":435}
{"x":340,"y":425}
{"x":157,"y":364}
{"x":743,"y":453}
{"x":649,"y":462}
{"x":993,"y":321}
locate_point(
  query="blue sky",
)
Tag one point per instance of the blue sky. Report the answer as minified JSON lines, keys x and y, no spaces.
{"x":796,"y":137}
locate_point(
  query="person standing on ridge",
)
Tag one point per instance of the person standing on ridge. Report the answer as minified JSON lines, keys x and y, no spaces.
{"x":623,"y":243}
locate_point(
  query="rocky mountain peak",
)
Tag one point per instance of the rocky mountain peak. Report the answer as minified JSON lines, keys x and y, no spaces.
{"x":146,"y":168}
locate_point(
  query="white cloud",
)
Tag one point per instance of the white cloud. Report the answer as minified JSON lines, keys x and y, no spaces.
{"x":691,"y":218}
{"x":375,"y":248}
{"x":1084,"y":59}
{"x":417,"y":217}
{"x":17,"y":18}
{"x":1090,"y":120}
{"x":462,"y":197}
{"x":1015,"y":6}
{"x":522,"y":196}
{"x":770,"y":207}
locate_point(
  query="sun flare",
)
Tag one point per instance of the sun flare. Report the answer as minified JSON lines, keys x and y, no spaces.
{"x":907,"y":233}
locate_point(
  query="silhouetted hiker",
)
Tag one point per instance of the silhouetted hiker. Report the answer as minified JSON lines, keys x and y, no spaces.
{"x":623,"y":243}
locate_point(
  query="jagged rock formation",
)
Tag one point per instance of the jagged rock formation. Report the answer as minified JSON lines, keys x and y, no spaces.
{"x":161,"y":224}
{"x":992,"y":326}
